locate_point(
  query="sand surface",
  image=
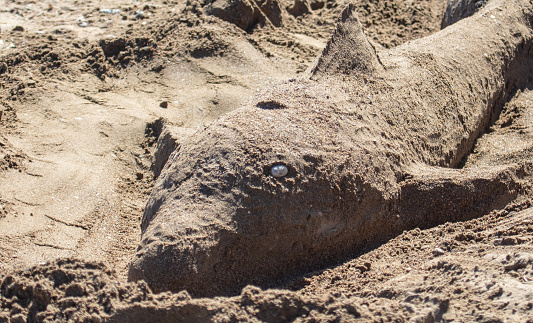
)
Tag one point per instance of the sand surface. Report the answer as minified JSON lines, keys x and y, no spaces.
{"x":81,"y":92}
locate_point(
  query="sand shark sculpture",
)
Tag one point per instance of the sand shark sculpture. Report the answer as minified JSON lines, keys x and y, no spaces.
{"x":320,"y":168}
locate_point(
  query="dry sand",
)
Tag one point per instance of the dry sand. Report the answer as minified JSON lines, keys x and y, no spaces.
{"x":80,"y":93}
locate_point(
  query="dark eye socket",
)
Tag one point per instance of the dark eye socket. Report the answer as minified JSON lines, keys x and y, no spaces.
{"x":279,"y":171}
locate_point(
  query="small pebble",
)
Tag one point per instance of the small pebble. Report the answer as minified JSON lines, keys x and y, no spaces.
{"x":438,"y":252}
{"x":164,"y":104}
{"x":18,"y":28}
{"x":110,"y":11}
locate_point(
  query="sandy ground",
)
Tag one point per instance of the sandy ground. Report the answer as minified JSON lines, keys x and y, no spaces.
{"x":81,"y":89}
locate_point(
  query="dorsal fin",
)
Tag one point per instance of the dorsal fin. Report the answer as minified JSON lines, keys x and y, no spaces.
{"x":348,"y":50}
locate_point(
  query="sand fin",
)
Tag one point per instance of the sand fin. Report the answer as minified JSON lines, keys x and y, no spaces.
{"x":434,"y":195}
{"x":348,"y":51}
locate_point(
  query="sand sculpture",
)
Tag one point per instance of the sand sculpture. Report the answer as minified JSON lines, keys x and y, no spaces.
{"x":367,"y":144}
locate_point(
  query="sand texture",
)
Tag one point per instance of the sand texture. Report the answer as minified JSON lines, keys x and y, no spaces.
{"x":138,"y":140}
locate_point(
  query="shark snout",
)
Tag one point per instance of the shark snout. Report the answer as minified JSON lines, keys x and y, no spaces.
{"x":176,"y":256}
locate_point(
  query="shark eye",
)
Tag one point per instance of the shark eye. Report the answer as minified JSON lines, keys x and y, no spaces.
{"x":279,"y":170}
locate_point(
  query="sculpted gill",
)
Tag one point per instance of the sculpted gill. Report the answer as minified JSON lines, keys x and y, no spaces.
{"x":317,"y":169}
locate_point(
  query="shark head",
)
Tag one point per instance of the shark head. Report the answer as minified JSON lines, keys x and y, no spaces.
{"x":294,"y":180}
{"x":270,"y":190}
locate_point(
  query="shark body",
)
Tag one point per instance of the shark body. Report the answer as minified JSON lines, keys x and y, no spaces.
{"x":316,"y":169}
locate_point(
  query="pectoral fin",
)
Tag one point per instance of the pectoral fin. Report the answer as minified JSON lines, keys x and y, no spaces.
{"x":433,"y":195}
